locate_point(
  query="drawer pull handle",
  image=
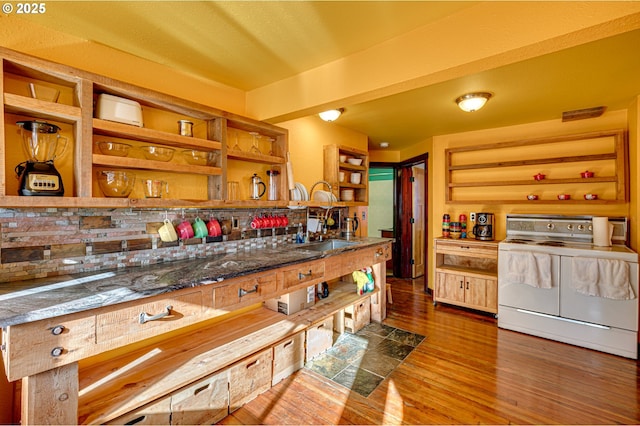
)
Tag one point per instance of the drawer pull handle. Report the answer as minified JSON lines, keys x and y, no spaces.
{"x":57,"y":330}
{"x":145,"y":317}
{"x":243,"y":292}
{"x":288,"y":343}
{"x":302,"y":275}
{"x":201,"y":389}
{"x":57,"y":351}
{"x":254,"y":363}
{"x":136,"y":420}
{"x":379,"y":253}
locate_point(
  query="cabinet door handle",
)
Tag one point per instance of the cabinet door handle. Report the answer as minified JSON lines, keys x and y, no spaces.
{"x":302,"y":275}
{"x":461,"y":283}
{"x":243,"y":292}
{"x":57,"y":351}
{"x":467,"y":285}
{"x":57,"y":330}
{"x":145,"y":317}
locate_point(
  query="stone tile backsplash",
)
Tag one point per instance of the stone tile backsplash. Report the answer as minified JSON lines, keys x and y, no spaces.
{"x":36,"y":243}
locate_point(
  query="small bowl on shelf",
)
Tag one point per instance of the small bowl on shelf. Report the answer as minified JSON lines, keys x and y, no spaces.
{"x":539,"y":176}
{"x":117,"y":149}
{"x":157,"y":153}
{"x":355,"y":161}
{"x":199,"y":158}
{"x":532,"y":197}
{"x":590,"y":197}
{"x":116,"y":184}
{"x":346,"y":195}
{"x":564,"y":197}
{"x":586,"y":174}
{"x":343,"y":158}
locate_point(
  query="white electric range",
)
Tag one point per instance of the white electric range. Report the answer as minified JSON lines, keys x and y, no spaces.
{"x":550,"y":302}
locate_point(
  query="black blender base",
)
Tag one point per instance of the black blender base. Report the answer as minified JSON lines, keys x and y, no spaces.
{"x":58,"y":193}
{"x":40,"y":179}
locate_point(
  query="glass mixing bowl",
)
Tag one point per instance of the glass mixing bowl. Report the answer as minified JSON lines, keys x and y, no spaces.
{"x":157,"y":153}
{"x":200,"y":158}
{"x":116,"y":183}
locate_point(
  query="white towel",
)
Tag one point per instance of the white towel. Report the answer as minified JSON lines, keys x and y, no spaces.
{"x":602,"y":278}
{"x":525,"y":267}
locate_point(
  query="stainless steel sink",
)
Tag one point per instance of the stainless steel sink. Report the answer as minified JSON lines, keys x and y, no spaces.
{"x":327,"y":245}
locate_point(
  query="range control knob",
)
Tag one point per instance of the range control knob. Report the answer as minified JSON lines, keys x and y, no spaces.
{"x":570,"y":227}
{"x":551,"y":225}
{"x":580,"y":227}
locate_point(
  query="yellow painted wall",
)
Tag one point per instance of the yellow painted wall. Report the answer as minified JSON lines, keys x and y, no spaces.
{"x":307,"y":138}
{"x":30,"y":38}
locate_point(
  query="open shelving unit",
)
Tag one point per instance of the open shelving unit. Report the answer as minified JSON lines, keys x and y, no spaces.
{"x":513,"y":165}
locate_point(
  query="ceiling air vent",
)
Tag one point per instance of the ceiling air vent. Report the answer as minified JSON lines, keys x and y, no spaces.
{"x":581,"y":114}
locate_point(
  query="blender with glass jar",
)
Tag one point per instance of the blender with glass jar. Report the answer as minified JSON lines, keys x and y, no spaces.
{"x":38,"y":175}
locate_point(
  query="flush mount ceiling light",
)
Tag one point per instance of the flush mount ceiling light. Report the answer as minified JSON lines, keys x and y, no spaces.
{"x":332,"y":114}
{"x":384,"y":144}
{"x":473,"y":101}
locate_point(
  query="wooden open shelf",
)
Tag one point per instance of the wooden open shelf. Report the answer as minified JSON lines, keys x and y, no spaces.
{"x":617,"y":159}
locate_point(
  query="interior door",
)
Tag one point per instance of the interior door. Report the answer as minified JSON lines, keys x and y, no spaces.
{"x":418,"y":229}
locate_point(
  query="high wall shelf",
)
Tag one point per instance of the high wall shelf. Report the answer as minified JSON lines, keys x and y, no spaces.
{"x":513,"y":165}
{"x":74,"y":111}
{"x":334,"y":169}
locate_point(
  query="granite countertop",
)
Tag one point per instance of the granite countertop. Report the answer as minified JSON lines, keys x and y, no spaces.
{"x":33,"y":300}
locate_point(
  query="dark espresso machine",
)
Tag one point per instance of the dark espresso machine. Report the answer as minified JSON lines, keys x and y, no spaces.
{"x":38,"y":175}
{"x":483,"y":229}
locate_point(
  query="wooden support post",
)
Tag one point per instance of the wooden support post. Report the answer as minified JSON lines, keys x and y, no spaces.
{"x":379,"y":300}
{"x":51,"y":397}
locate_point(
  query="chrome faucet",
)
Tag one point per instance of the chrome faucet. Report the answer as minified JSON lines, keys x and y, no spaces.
{"x":311,"y":198}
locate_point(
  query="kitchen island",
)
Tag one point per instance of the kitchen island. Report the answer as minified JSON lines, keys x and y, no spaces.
{"x":96,"y":347}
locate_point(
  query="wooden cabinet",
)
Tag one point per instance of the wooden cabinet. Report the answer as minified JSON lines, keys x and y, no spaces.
{"x":319,"y":337}
{"x":466,"y":273}
{"x":507,"y":176}
{"x":72,"y":109}
{"x":250,"y":378}
{"x":138,"y":374}
{"x":350,"y":182}
{"x":288,"y":357}
{"x":357,"y":316}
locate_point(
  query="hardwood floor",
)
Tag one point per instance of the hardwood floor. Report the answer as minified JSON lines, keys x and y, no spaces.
{"x":465,"y":371}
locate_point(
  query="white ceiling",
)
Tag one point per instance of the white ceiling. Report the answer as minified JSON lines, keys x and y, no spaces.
{"x":250,"y":44}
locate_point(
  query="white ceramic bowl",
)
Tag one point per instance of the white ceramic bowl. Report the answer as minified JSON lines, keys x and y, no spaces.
{"x":322,"y":196}
{"x":343,"y":158}
{"x":355,"y":161}
{"x":346,"y":195}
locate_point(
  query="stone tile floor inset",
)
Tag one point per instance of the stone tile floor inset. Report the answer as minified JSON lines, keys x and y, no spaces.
{"x":378,"y":363}
{"x":327,"y":365}
{"x":358,"y":380}
{"x":362,"y":360}
{"x":393,"y":349}
{"x":405,"y":337}
{"x":376,"y":328}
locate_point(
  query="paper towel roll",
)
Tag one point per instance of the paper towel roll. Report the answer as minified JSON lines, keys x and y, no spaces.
{"x":602,"y":231}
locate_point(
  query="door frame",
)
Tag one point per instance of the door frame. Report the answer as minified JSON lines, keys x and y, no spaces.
{"x":401,"y":204}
